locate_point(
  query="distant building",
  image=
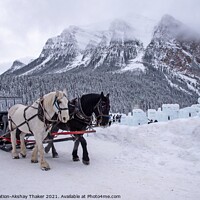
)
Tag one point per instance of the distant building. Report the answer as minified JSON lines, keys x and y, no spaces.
{"x":165,"y":113}
{"x":152,"y":115}
{"x":187,"y":112}
{"x":134,"y":118}
{"x":170,"y":112}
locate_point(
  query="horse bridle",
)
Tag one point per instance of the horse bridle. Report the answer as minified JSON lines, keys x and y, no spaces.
{"x":56,"y":104}
{"x":99,"y":108}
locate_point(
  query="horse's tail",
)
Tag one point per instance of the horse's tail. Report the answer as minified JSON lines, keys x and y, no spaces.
{"x":11,"y":112}
{"x":9,"y":123}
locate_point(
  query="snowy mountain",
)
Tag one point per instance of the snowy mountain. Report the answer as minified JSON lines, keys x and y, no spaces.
{"x":84,"y":49}
{"x":18,"y":64}
{"x":138,"y":64}
{"x":15,"y":66}
{"x":119,"y":48}
{"x":175,"y":50}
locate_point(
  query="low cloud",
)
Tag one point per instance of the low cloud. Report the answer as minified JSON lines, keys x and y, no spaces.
{"x":26,"y":25}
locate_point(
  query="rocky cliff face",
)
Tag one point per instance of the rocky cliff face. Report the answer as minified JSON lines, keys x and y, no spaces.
{"x":167,"y":70}
{"x":175,"y":50}
{"x":79,"y":49}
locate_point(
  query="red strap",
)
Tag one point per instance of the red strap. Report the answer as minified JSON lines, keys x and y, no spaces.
{"x":72,"y":132}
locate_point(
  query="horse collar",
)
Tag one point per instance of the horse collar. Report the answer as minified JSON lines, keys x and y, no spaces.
{"x":81,"y":110}
{"x":78,"y":111}
{"x":41,"y":114}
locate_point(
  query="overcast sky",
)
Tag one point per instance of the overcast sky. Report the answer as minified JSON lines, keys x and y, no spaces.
{"x":25,"y":25}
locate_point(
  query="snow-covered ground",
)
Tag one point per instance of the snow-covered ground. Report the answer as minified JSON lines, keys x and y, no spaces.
{"x":159,"y":161}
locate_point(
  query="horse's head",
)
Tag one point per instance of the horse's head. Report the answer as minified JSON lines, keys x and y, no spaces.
{"x":102,"y":109}
{"x":60,"y":106}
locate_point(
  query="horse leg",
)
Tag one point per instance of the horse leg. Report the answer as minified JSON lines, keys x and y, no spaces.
{"x":22,"y":145}
{"x":43,"y":163}
{"x":51,"y":146}
{"x":15,"y":155}
{"x":54,"y":152}
{"x":85,"y":158}
{"x":34,"y":157}
{"x":75,"y":150}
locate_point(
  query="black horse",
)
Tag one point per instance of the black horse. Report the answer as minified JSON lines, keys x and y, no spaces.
{"x":81,"y":116}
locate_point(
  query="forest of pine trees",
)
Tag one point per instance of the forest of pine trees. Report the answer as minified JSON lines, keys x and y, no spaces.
{"x":127,"y":90}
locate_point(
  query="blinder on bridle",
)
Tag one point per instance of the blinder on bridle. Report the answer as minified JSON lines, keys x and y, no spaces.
{"x":56,"y":103}
{"x":101,"y":111}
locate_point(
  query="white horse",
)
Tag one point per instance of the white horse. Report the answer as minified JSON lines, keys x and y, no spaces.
{"x":36,"y":119}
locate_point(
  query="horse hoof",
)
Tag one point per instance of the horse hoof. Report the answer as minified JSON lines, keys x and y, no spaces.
{"x":55,"y":156}
{"x":23,"y":155}
{"x":45,"y":168}
{"x":86,"y":162}
{"x":15,"y":157}
{"x":46,"y":150}
{"x":34,"y":161}
{"x":76,"y":159}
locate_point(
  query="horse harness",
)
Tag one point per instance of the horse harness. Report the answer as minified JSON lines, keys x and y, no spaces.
{"x":77,"y":111}
{"x":99,"y":107}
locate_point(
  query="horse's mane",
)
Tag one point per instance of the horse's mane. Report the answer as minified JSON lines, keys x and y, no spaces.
{"x":88,"y":101}
{"x":91,"y":95}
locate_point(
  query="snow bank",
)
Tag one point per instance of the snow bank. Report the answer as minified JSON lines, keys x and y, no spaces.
{"x":159,"y":161}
